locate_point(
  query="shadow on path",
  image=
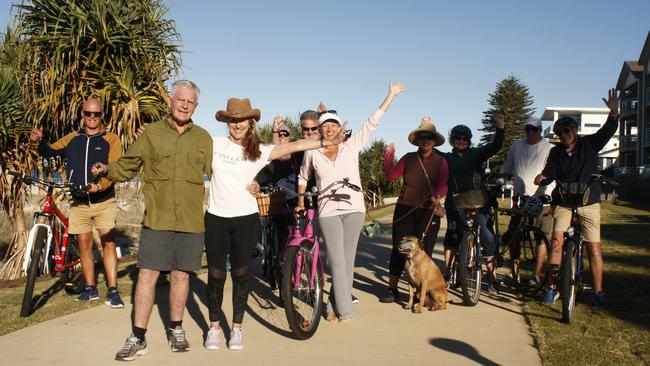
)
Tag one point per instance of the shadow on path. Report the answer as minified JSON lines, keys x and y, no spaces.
{"x":462,"y":349}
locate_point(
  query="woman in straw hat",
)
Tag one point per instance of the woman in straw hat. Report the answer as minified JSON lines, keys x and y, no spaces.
{"x":232,"y":220}
{"x":341,"y":214}
{"x":419,"y":206}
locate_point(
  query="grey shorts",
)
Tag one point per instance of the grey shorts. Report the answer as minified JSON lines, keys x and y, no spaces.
{"x":170,"y":250}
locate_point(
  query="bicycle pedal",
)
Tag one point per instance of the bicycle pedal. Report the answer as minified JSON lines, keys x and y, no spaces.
{"x":586,"y":287}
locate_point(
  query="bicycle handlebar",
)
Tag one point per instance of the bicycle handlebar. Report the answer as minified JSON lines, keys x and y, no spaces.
{"x":345,"y":182}
{"x":33,"y":180}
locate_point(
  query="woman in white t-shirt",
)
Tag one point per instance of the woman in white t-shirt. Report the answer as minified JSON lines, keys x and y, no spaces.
{"x":232,"y":220}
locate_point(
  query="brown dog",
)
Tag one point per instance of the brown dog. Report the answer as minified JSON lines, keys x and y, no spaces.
{"x":423,"y":276}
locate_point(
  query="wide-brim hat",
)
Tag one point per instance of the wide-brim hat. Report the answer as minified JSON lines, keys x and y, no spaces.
{"x":428,"y":128}
{"x":238,"y":109}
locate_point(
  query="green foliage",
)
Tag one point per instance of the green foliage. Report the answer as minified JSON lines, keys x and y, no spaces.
{"x":512,"y":98}
{"x":371,"y":169}
{"x":121,"y":51}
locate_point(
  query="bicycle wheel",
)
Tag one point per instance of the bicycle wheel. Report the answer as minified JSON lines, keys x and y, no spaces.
{"x":569,"y":268}
{"x":32,"y":272}
{"x":274,"y":259}
{"x":303,"y":302}
{"x":72,"y":278}
{"x":469,"y":269}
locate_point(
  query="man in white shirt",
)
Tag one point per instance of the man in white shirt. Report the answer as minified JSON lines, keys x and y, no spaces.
{"x":525,"y":160}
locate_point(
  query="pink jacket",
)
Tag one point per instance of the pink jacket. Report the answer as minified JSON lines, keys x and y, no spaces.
{"x":346,"y":165}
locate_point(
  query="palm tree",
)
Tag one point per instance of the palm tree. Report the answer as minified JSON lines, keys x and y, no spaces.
{"x":121,"y":51}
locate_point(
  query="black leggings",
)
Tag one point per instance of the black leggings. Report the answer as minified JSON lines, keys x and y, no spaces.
{"x":413,"y":224}
{"x":234,"y":236}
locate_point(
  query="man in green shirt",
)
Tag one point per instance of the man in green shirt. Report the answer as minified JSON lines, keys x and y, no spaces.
{"x":172,"y":156}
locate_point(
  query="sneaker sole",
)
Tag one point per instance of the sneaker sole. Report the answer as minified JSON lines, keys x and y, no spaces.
{"x":91,"y":299}
{"x":183,"y":349}
{"x":108,"y":303}
{"x":141,"y":352}
{"x":211,"y":347}
{"x":236,"y":347}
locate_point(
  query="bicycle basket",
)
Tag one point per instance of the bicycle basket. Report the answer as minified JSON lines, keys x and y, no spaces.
{"x":471,"y":199}
{"x":263,"y":203}
{"x":574,"y":193}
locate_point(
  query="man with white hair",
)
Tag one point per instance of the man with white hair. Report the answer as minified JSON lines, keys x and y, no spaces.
{"x":525,"y":160}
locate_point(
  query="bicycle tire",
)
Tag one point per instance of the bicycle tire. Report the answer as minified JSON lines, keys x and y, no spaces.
{"x":72,"y":278}
{"x":275,"y":260}
{"x":304,"y":298}
{"x":469,"y":270}
{"x":32,"y":272}
{"x":569,"y":268}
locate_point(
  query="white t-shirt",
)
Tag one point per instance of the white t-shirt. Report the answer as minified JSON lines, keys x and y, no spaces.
{"x":230,"y":176}
{"x":525,"y":162}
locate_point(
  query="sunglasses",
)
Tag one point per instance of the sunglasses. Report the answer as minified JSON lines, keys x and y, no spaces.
{"x":310,"y":129}
{"x":531,"y":129}
{"x":92,"y":114}
{"x":283,"y":134}
{"x":460,"y":138}
{"x":426,"y":137}
{"x":565,"y":130}
{"x":327,"y":111}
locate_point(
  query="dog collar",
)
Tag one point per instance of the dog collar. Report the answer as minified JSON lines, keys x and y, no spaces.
{"x":417,"y":255}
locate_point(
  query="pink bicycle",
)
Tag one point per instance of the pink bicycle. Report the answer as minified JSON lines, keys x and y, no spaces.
{"x":303,"y":277}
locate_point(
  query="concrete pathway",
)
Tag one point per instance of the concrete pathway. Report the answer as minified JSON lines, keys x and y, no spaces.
{"x":492,"y":333}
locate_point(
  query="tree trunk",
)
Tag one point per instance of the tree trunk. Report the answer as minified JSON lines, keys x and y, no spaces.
{"x":14,"y":259}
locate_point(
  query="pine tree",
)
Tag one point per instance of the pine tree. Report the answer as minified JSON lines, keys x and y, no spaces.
{"x":512,"y":98}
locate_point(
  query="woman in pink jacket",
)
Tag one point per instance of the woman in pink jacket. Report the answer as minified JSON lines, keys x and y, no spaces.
{"x":341,"y":215}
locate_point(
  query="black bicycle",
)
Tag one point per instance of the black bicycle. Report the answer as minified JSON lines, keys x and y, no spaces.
{"x":573,"y":196}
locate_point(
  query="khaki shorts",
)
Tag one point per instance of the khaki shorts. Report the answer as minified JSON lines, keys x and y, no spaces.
{"x":589,"y":217}
{"x":101,"y":215}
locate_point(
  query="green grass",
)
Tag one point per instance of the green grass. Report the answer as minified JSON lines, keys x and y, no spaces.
{"x":621,"y":334}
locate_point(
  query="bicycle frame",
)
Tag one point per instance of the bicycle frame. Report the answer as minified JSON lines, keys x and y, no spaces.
{"x":574,"y":232}
{"x":297,"y":237}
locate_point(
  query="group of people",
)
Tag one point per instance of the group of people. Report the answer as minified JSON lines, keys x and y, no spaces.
{"x":173,"y":155}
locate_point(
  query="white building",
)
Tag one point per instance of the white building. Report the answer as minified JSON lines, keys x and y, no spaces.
{"x":589,"y":121}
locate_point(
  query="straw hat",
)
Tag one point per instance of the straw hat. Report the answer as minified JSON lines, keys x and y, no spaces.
{"x":426,"y":127}
{"x":238,"y":109}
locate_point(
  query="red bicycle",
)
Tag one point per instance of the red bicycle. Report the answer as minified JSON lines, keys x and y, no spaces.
{"x":49,"y":248}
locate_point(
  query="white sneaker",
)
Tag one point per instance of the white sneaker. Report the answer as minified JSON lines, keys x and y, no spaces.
{"x":236,"y":339}
{"x":213,"y":339}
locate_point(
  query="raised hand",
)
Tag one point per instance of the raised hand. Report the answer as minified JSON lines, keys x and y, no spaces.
{"x":397,"y":88}
{"x":277,"y":122}
{"x":321,"y":107}
{"x":612,"y":102}
{"x":390,"y":149}
{"x":36,"y":134}
{"x":500,"y":120}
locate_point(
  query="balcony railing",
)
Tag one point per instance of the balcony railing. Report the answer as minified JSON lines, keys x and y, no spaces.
{"x":629,"y":141}
{"x":642,"y":171}
{"x":630,"y":105}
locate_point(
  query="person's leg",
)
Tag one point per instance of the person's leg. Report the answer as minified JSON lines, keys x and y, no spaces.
{"x":590,"y":221}
{"x":109,"y":256}
{"x":85,"y":241}
{"x":217,"y":247}
{"x":332,"y":229}
{"x":424,"y":218}
{"x":488,"y":241}
{"x":402,"y":228}
{"x":455,"y":227}
{"x":352,"y":224}
{"x":245,"y":233}
{"x":145,"y":290}
{"x":178,"y":290}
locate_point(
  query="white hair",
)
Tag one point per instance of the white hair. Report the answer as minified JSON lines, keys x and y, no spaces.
{"x":185,"y":84}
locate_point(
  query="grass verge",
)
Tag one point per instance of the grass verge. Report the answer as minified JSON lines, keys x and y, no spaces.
{"x":620,"y":334}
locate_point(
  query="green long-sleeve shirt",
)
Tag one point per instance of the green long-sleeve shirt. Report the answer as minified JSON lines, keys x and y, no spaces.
{"x":172,"y":165}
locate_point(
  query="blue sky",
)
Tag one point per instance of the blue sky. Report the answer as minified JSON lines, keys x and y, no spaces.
{"x":286,"y":56}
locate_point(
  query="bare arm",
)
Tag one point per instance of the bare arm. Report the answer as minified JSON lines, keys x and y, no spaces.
{"x":303,"y":145}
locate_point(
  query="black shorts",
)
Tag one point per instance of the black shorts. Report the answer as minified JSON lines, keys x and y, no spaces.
{"x":163,"y":250}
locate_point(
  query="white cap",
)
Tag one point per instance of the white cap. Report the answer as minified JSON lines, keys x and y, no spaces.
{"x":533,"y":121}
{"x":285,"y":128}
{"x":325,"y":117}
